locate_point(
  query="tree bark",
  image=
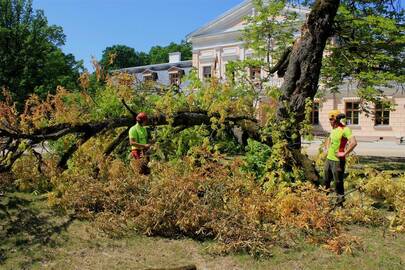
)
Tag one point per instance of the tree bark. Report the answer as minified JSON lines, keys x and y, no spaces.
{"x":301,"y":77}
{"x":305,"y":61}
{"x":117,"y":141}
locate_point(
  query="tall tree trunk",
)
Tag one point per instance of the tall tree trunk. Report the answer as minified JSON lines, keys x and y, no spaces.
{"x":302,"y":76}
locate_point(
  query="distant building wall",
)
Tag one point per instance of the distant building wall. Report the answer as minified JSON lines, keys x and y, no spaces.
{"x":366,"y":129}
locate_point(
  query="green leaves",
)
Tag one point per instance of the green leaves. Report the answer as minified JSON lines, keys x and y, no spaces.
{"x":270,"y":30}
{"x":122,"y":56}
{"x":30,"y":57}
{"x":159,"y":54}
{"x":256,"y":158}
{"x":369,"y":48}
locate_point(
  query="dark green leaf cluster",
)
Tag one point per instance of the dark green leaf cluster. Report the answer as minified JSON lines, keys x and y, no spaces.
{"x":159,"y":54}
{"x":31,"y":60}
{"x":122,"y":56}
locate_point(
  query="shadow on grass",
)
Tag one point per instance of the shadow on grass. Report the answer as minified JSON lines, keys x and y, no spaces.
{"x":27,"y":227}
{"x":384,"y":163}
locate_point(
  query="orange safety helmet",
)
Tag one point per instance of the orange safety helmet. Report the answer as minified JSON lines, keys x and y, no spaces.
{"x":142,"y":117}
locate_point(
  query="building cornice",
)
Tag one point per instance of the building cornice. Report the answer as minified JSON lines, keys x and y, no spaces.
{"x":236,"y":13}
{"x":216,"y":36}
{"x":230,"y":44}
{"x":229,"y":14}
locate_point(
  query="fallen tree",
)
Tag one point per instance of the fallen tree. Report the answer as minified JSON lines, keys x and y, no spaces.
{"x":11,"y":139}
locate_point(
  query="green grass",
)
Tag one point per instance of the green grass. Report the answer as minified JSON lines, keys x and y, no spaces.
{"x":33,"y":236}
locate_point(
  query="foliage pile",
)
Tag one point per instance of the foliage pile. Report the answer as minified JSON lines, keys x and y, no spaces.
{"x":200,"y":198}
{"x":204,"y":197}
{"x":378,"y":190}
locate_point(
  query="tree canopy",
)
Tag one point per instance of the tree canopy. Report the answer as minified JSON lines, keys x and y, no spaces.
{"x":160,"y":54}
{"x":368,"y":49}
{"x":31,"y":60}
{"x":122,"y":56}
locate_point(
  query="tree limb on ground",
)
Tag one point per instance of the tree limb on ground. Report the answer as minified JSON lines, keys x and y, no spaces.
{"x":9,"y":139}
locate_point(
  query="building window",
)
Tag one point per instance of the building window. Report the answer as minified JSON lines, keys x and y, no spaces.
{"x":207,"y":72}
{"x":382,"y":114}
{"x":315,"y":114}
{"x":352,"y":113}
{"x":255,"y":73}
{"x":175,"y":78}
{"x":150,"y":76}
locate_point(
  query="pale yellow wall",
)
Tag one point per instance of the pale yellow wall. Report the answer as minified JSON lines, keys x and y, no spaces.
{"x":366,"y":128}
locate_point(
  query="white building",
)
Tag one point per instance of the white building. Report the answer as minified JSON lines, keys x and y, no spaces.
{"x":220,"y":41}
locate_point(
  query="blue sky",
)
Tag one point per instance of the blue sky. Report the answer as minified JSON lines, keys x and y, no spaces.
{"x":92,"y":25}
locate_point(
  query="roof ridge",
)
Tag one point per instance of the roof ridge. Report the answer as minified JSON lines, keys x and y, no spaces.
{"x":156,"y":65}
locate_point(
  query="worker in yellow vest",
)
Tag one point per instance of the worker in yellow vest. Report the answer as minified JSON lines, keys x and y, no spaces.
{"x":339,"y":145}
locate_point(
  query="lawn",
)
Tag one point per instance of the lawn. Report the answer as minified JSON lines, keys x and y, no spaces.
{"x":33,"y":236}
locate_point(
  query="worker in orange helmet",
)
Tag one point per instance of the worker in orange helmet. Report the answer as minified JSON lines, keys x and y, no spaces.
{"x":138,"y":139}
{"x":339,"y":145}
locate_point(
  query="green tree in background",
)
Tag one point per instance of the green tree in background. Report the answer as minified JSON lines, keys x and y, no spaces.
{"x":368,"y":49}
{"x":122,"y":56}
{"x":31,"y":60}
{"x":159,"y":54}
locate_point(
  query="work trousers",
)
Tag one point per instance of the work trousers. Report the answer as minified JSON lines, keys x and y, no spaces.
{"x":335,"y":170}
{"x":142,"y":159}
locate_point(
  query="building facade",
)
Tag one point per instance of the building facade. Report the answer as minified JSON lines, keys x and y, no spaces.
{"x":381,"y":124}
{"x":220,"y":41}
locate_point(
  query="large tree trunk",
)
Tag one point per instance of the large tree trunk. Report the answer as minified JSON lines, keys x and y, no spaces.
{"x":301,"y":77}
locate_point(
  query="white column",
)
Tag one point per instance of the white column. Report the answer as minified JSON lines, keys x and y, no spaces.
{"x":242,"y":53}
{"x":219,"y":53}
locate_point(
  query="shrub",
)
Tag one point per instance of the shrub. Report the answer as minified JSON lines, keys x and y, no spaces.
{"x":256,"y":158}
